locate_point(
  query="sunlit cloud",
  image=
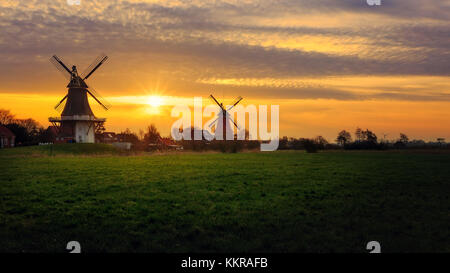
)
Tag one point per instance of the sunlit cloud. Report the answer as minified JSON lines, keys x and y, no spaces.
{"x":326,"y":52}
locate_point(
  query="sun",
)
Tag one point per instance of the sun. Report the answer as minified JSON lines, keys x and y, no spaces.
{"x":155,"y":101}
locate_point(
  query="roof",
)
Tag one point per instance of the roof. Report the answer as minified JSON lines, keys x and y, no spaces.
{"x":77,"y":103}
{"x":53,"y":130}
{"x":5,"y":132}
{"x":167,"y":141}
{"x":61,"y":131}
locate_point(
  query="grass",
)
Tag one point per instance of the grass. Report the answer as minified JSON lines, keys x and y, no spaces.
{"x":245,"y":202}
{"x":62,"y":150}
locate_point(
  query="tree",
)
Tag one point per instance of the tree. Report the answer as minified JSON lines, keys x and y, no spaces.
{"x":403,"y":138}
{"x":320,"y":142}
{"x":283,"y":145}
{"x":369,"y":136}
{"x":20,"y":132}
{"x":152,"y":135}
{"x":6,"y":117}
{"x":343,"y":138}
{"x":128,"y":136}
{"x":29,"y":124}
{"x":309,"y":145}
{"x":359,"y":134}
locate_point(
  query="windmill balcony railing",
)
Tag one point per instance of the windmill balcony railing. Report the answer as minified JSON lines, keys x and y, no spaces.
{"x":77,"y":118}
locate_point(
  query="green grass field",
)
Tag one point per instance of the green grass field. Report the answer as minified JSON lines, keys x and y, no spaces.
{"x":212,"y":202}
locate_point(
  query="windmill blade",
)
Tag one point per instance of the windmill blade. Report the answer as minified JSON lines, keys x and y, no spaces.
{"x":60,"y":108}
{"x":235,"y":124}
{"x":57,"y":107}
{"x":229,"y":117}
{"x":214,"y":99}
{"x":234,"y":104}
{"x":98,"y":98}
{"x":94,"y":66}
{"x":212,"y":123}
{"x":59,"y":64}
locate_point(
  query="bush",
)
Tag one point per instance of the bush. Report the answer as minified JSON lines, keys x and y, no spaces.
{"x":310,"y":146}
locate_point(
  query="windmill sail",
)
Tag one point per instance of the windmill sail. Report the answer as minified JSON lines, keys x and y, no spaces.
{"x":59,"y":64}
{"x":60,"y":104}
{"x":98,"y":98}
{"x":94,"y":66}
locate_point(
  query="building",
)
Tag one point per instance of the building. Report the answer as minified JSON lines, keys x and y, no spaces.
{"x":7,"y":138}
{"x":77,"y":122}
{"x":106,"y":137}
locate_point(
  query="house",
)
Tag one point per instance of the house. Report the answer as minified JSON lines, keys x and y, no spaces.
{"x":106,"y":137}
{"x":169,"y":144}
{"x":57,"y":134}
{"x":7,"y":138}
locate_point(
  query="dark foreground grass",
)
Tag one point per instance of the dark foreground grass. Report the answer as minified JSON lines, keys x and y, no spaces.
{"x":248,"y":202}
{"x":83,"y":149}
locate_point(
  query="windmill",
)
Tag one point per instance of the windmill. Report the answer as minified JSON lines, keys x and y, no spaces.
{"x":223,"y":118}
{"x":77,"y":122}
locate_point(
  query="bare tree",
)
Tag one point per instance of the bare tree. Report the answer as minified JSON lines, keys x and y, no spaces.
{"x":152,"y":135}
{"x":129,"y":136}
{"x":321,"y":142}
{"x":29,"y":124}
{"x":369,"y":136}
{"x":358,"y":134}
{"x":343,"y":137}
{"x":6,"y":117}
{"x":403,"y":138}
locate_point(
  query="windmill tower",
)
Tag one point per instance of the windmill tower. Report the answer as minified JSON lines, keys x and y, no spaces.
{"x":77,"y":122}
{"x":222,"y":119}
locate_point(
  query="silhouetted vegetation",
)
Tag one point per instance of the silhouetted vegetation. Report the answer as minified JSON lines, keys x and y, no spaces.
{"x":30,"y":132}
{"x":27,"y":131}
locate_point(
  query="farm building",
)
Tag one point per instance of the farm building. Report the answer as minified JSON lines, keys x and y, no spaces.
{"x":106,"y":137}
{"x":58,"y":134}
{"x":7,"y":138}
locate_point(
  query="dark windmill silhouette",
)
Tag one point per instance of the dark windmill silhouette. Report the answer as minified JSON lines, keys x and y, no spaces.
{"x":78,"y":122}
{"x":223,"y":118}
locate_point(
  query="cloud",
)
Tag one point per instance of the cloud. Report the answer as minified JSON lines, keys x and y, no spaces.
{"x":189,"y":41}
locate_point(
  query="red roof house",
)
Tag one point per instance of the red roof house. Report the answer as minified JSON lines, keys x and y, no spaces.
{"x":7,"y":138}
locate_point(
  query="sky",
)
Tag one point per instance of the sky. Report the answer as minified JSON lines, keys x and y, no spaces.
{"x":329,"y":64}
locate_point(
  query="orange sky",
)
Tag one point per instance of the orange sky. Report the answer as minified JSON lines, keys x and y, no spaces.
{"x":330,"y":65}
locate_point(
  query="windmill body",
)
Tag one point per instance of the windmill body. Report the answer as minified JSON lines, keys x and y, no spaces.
{"x":223,"y":124}
{"x":224,"y":121}
{"x":77,"y":122}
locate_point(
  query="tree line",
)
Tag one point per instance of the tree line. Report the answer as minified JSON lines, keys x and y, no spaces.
{"x":363,"y":140}
{"x":30,"y":132}
{"x":27,"y":131}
